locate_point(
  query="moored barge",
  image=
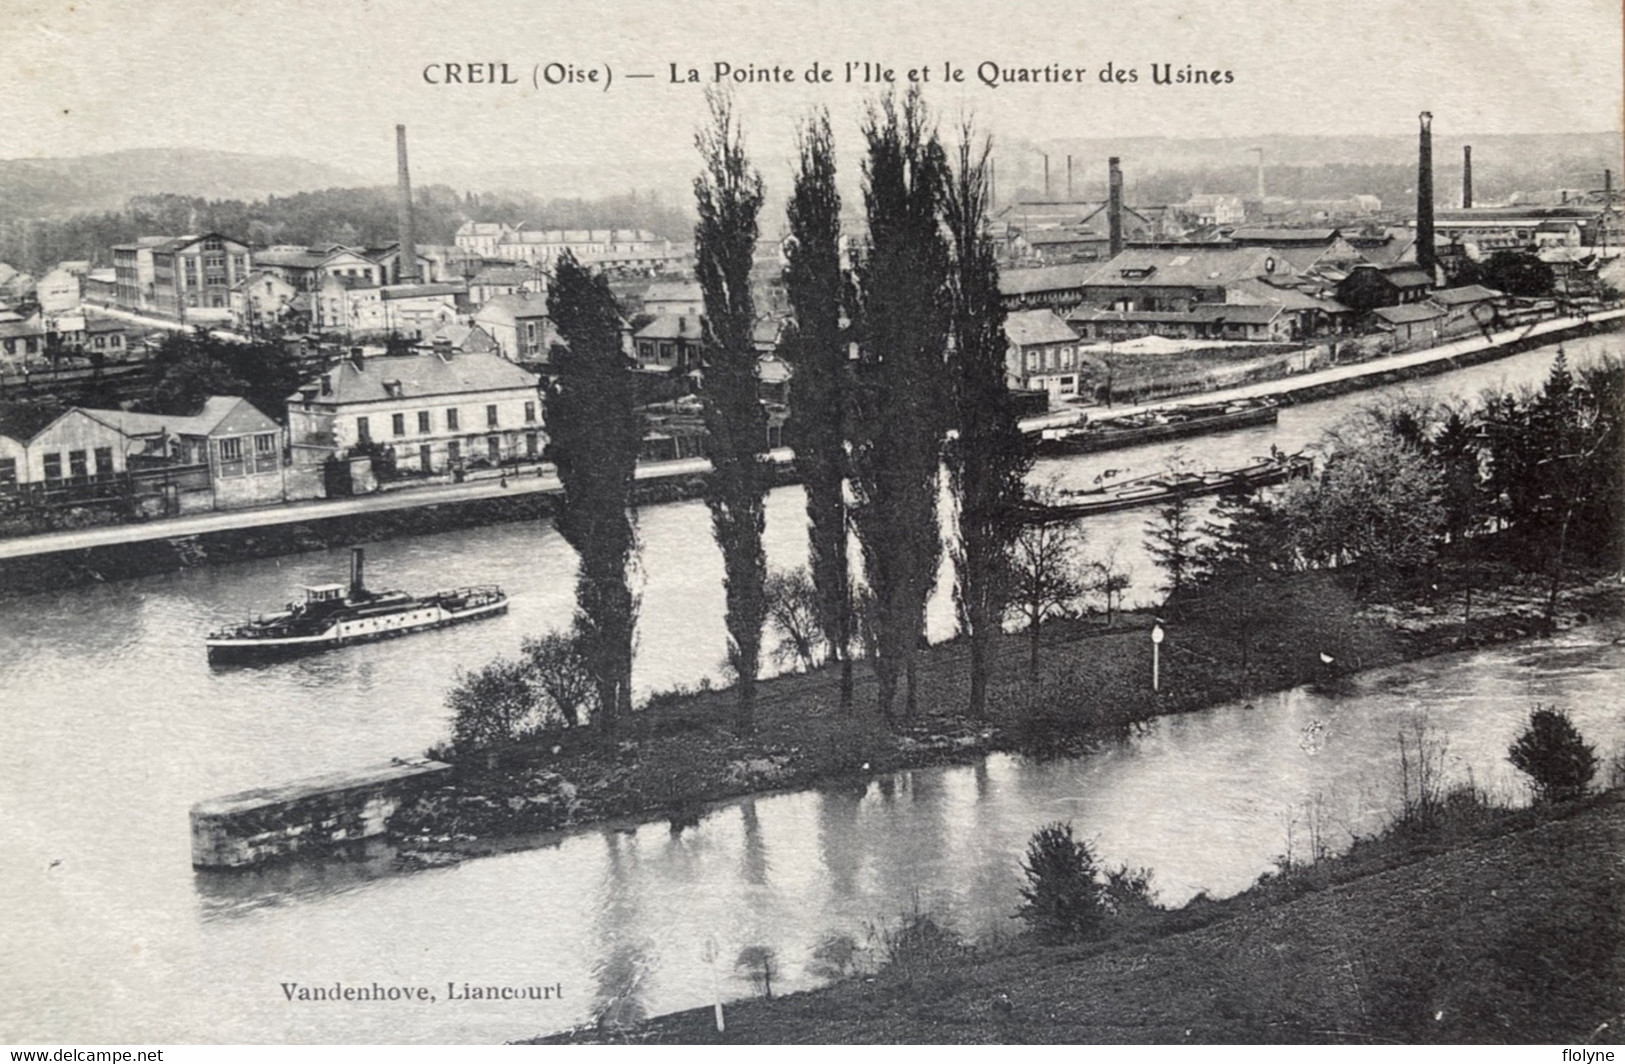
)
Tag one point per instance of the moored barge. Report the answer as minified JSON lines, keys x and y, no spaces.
{"x":1163,"y":487}
{"x":1163,"y":423}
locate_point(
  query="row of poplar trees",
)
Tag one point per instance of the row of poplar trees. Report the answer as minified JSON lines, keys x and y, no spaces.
{"x":899,"y":376}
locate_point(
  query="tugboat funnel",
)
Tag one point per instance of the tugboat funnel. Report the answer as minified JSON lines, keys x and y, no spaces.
{"x":357,"y":560}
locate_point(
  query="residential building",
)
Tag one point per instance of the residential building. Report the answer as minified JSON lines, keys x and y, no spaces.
{"x":59,"y":291}
{"x":542,"y":247}
{"x":431,"y":411}
{"x":267,"y":299}
{"x":674,"y":297}
{"x":1207,"y":208}
{"x":482,"y":238}
{"x":1042,"y":354}
{"x":459,"y":338}
{"x":490,"y":281}
{"x":519,"y":324}
{"x":388,"y":258}
{"x":671,"y":343}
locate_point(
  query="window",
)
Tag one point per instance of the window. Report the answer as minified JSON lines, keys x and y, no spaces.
{"x":363,"y":431}
{"x":426,"y":458}
{"x":454,"y":452}
{"x":397,"y":424}
{"x":491,"y":416}
{"x":76,"y":464}
{"x":530,"y":444}
{"x":266,"y":458}
{"x":104,"y":461}
{"x":451,"y":419}
{"x":530,"y":412}
{"x":8,"y":472}
{"x":53,"y":467}
{"x":423,"y":422}
{"x":493,"y":448}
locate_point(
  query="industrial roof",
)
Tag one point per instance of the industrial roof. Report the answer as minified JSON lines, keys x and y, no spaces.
{"x":419,"y":375}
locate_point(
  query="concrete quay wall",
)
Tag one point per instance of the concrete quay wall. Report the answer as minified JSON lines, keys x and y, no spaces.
{"x":249,"y":828}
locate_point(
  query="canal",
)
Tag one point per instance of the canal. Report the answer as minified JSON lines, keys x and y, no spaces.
{"x":114,"y":725}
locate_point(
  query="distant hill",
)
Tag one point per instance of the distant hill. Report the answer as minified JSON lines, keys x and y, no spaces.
{"x":1168,"y":169}
{"x":56,"y":188}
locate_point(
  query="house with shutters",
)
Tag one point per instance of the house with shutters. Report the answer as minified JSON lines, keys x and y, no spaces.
{"x":1042,"y":354}
{"x":426,"y":413}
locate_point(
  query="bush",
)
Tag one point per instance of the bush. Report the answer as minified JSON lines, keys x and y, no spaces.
{"x":492,"y":705}
{"x":1551,"y":752}
{"x":1063,"y":897}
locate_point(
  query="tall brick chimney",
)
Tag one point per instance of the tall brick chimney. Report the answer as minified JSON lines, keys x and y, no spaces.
{"x":1114,"y":204}
{"x":1467,"y":175}
{"x":1424,"y":196}
{"x":409,"y":244}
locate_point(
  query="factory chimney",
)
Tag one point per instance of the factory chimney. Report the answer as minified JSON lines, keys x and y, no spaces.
{"x":1467,"y":175}
{"x":1046,"y":176}
{"x":1114,"y":204}
{"x":408,"y":273}
{"x":1424,"y":196}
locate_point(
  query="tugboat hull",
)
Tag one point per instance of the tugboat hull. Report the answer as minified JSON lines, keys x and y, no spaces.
{"x":228,"y":649}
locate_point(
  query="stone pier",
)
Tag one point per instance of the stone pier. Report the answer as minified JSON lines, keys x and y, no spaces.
{"x":270,"y":822}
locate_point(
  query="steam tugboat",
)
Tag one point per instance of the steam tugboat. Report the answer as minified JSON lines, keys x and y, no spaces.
{"x":334,"y":616}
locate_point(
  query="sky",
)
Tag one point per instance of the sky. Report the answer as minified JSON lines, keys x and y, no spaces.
{"x":329,"y":79}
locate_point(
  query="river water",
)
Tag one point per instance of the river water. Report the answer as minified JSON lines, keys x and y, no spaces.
{"x":114,"y":725}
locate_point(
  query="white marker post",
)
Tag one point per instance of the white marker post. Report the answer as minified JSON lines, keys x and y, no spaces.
{"x":1156,"y":657}
{"x":716,"y":985}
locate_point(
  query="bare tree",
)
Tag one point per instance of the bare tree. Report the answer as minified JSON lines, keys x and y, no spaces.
{"x":1111,"y":579}
{"x":1045,"y":573}
{"x":793,"y":610}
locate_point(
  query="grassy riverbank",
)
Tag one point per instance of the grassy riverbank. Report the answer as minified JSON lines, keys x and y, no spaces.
{"x":1092,"y":681}
{"x":1496,"y":926}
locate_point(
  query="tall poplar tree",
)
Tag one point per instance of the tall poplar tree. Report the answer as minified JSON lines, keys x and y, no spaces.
{"x":729,"y":196}
{"x":594,"y":433}
{"x":900,"y":402}
{"x":989,"y":458}
{"x":816,"y":347}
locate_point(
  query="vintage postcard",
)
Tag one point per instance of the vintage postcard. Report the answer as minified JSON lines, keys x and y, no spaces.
{"x":835,"y":522}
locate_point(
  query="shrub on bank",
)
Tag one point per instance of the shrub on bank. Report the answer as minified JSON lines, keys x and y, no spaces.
{"x":1551,"y":752}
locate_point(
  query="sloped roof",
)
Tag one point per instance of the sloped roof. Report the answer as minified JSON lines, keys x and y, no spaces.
{"x":672,"y":327}
{"x":1184,"y":265}
{"x":224,"y":415}
{"x":1467,"y":293}
{"x":420,"y":291}
{"x":419,"y":375}
{"x":1284,"y":236}
{"x":1262,"y":293}
{"x":674,"y":292}
{"x":1024,"y":328}
{"x":1045,"y":278}
{"x":513,"y":306}
{"x":1201,"y":313}
{"x":1407,"y":313}
{"x":23,"y":421}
